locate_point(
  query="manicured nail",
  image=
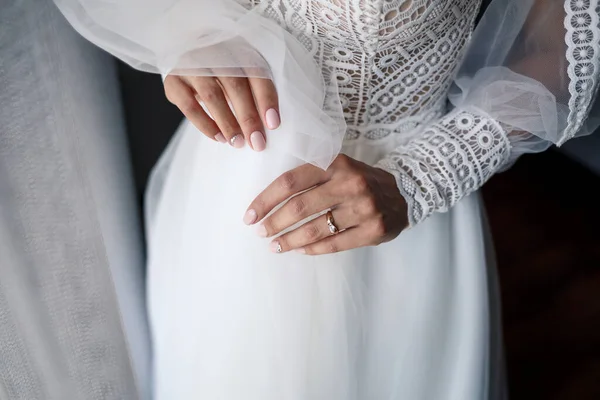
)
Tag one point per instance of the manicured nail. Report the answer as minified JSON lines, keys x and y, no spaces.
{"x":237,"y":141}
{"x":219,"y":137}
{"x":250,"y":217}
{"x":272,"y":117}
{"x":275,"y":247}
{"x":261,"y":231}
{"x":258,"y":141}
{"x":300,"y":250}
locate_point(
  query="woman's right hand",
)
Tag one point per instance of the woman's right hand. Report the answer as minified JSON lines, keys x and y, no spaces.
{"x":254,"y":102}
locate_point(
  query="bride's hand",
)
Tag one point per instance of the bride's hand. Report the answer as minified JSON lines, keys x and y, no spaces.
{"x":366,"y":205}
{"x":254,"y":101}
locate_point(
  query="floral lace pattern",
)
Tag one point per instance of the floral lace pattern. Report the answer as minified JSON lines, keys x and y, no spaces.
{"x":452,"y":159}
{"x":583,"y":55}
{"x":392,"y":60}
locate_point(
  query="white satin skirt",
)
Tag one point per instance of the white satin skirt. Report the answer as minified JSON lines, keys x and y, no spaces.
{"x":414,"y":319}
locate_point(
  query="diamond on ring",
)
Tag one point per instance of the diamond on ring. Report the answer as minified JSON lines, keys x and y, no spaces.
{"x":331,"y":224}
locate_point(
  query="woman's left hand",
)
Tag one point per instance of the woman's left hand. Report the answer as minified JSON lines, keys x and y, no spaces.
{"x":365,"y":204}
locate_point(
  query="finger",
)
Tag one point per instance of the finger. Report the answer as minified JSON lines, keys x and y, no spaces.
{"x":211,"y":93}
{"x":281,"y":189}
{"x":183,"y":96}
{"x":240,"y":94}
{"x":267,"y":101}
{"x":349,"y":239}
{"x":300,"y":207}
{"x":314,"y":231}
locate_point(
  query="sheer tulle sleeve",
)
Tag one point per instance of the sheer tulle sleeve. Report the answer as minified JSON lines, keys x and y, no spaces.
{"x":221,"y":38}
{"x":529,"y":79}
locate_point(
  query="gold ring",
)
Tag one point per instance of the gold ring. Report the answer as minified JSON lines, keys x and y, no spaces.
{"x":331,"y":224}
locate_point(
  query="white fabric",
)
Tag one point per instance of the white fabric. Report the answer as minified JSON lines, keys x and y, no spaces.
{"x":413,"y":319}
{"x":208,"y":37}
{"x":532,"y":67}
{"x":529,"y":80}
{"x":72,"y":300}
{"x":450,"y":160}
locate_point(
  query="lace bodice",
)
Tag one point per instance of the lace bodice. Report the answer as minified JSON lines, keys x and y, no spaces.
{"x":393,"y":60}
{"x":528,"y":78}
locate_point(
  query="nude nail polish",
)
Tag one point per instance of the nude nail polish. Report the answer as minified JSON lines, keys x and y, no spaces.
{"x":219,"y":137}
{"x":258,"y":141}
{"x":250,"y":217}
{"x":272,"y":118}
{"x":237,"y":141}
{"x":275,"y":247}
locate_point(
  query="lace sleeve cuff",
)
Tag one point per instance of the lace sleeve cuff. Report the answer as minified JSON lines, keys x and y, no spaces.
{"x":450,"y":160}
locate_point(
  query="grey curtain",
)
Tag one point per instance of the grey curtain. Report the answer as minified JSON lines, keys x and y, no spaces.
{"x":72,"y":313}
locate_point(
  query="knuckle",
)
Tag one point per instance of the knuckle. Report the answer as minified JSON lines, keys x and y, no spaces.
{"x":168,"y":80}
{"x":237,"y":84}
{"x":211,"y":94}
{"x":311,"y":232}
{"x":170,"y":96}
{"x":287,"y":181}
{"x":169,"y":92}
{"x":356,"y":211}
{"x":342,"y":161}
{"x":332,"y":247}
{"x":297,"y":206}
{"x":369,"y":206}
{"x":358,"y":184}
{"x":187,"y":105}
{"x":379,"y":229}
{"x":249,"y":120}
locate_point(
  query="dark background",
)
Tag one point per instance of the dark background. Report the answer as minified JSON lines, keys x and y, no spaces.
{"x":546,"y":226}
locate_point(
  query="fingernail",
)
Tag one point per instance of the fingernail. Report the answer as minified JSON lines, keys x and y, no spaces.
{"x":258,"y":141}
{"x":237,"y":141}
{"x":250,"y":217}
{"x":272,"y":117}
{"x":301,"y":251}
{"x":261,"y":231}
{"x":275,"y":247}
{"x":220,"y":138}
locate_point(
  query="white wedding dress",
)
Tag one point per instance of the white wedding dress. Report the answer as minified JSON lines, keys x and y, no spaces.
{"x":417,"y":318}
{"x":412,"y":319}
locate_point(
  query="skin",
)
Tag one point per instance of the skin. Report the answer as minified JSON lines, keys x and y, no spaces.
{"x":365,"y":201}
{"x":366,"y":204}
{"x":253,"y":100}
